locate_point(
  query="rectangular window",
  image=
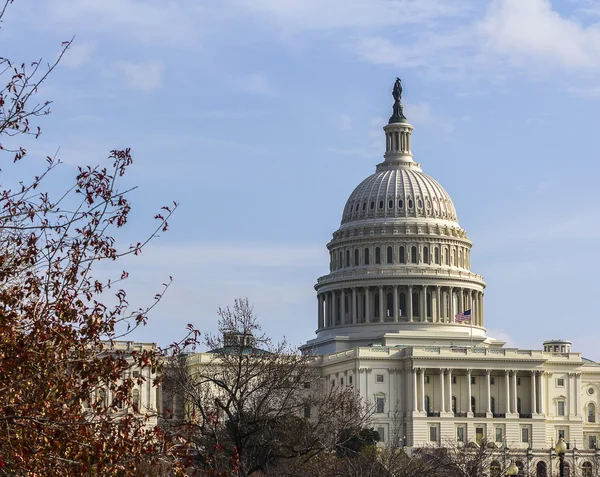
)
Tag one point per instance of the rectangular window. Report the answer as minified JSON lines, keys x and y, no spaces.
{"x":306,"y":385}
{"x":433,"y":434}
{"x":472,"y":379}
{"x":491,"y":380}
{"x":498,"y":434}
{"x":379,"y":404}
{"x":518,"y":381}
{"x":560,"y":382}
{"x":591,"y":442}
{"x":380,"y":378}
{"x":350,"y":379}
{"x":307,"y":412}
{"x":460,"y":434}
{"x":479,"y":435}
{"x":381,"y":432}
{"x":426,"y":379}
{"x":453,"y":379}
{"x":561,"y":408}
{"x":524,"y":434}
{"x":341,"y":381}
{"x":561,"y":433}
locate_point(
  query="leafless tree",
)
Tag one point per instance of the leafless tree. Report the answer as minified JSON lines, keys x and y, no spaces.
{"x":250,"y":403}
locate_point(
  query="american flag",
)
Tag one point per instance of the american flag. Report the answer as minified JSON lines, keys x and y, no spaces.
{"x":464,"y":316}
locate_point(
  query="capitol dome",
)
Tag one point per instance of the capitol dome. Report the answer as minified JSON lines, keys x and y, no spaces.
{"x":400,"y":263}
{"x":396,"y":194}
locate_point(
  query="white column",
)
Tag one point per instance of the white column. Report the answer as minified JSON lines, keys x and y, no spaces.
{"x":469,"y":391}
{"x":489,"y":390}
{"x":333,"y":308}
{"x":438,"y":305}
{"x":507,"y":381}
{"x":391,"y":390}
{"x":353,"y":308}
{"x":449,"y":390}
{"x":415,"y":397}
{"x":320,"y":310}
{"x":367,"y":305}
{"x":452,"y":310}
{"x":422,"y":304}
{"x":442,"y":386}
{"x":533,"y":393}
{"x":409,"y":303}
{"x":577,"y":391}
{"x":382,"y":309}
{"x":424,"y":311}
{"x":396,"y":304}
{"x":422,"y":389}
{"x":542,"y":382}
{"x":514,"y":400}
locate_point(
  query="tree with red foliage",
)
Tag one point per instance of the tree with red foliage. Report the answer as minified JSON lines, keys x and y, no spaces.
{"x":56,"y":330}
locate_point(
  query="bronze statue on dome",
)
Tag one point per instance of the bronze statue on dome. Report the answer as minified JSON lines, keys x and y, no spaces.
{"x":398,"y":113}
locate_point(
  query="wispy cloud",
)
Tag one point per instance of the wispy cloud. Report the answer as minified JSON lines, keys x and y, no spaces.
{"x":78,"y":55}
{"x":145,"y":76}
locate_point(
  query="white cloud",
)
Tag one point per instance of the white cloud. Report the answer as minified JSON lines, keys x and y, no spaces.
{"x":331,"y":14}
{"x":530,"y":30}
{"x":146,"y":75}
{"x":78,"y":55}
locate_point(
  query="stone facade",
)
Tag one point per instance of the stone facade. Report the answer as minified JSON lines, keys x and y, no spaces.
{"x":400,"y":317}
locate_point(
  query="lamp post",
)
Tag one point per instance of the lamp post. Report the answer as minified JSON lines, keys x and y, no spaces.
{"x":512,"y":469}
{"x":561,"y":448}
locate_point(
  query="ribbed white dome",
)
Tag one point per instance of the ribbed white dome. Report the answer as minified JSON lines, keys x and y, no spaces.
{"x":398,"y":192}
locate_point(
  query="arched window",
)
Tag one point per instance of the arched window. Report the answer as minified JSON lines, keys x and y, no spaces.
{"x":372,"y":204}
{"x":473,"y":403}
{"x":492,"y":404}
{"x":390,"y":204}
{"x":381,"y":204}
{"x":591,"y":412}
{"x":495,"y":469}
{"x":587,"y":470}
{"x":390,"y":305}
{"x":377,"y":255}
{"x":436,"y":254}
{"x":401,"y":255}
{"x":541,"y":469}
{"x":356,"y":259}
{"x":452,"y":257}
{"x":519,"y":405}
{"x":366,"y":256}
{"x":400,"y":203}
{"x":390,"y":255}
{"x":426,"y":255}
{"x":447,"y":256}
{"x":413,"y":255}
{"x":453,"y":403}
{"x":521,"y":468}
{"x":347,"y":258}
{"x":426,"y":403}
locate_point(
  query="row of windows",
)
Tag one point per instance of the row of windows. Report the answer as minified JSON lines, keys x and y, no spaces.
{"x":453,"y":257}
{"x":361,"y":208}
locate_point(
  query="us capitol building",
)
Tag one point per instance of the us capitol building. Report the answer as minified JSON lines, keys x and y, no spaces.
{"x":401,"y":317}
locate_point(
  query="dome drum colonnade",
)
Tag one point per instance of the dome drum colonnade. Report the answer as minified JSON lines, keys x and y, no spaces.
{"x":400,"y":255}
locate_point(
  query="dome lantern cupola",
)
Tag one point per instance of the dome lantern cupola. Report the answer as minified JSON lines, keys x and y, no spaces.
{"x":398,"y":131}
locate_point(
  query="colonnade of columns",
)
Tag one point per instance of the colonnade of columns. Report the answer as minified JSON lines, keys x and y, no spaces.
{"x":444,"y":392}
{"x":396,"y":303}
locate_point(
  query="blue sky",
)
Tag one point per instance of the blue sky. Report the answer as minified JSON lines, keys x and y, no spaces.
{"x":261,"y":116}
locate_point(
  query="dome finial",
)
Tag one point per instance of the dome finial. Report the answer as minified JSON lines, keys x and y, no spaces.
{"x":398,"y":113}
